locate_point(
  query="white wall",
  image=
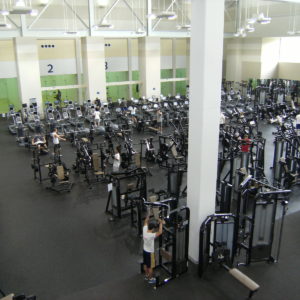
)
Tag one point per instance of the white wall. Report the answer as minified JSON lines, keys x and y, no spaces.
{"x":289,"y":71}
{"x":28,"y":70}
{"x":242,"y":58}
{"x":269,"y":58}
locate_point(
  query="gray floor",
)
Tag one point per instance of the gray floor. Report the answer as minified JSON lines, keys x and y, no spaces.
{"x":62,"y":246}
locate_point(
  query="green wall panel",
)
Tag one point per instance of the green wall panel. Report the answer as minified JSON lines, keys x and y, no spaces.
{"x":135,"y":75}
{"x":180,"y":73}
{"x":166,"y":88}
{"x":181,"y":87}
{"x":58,"y":80}
{"x":166,"y":73}
{"x":117,"y":76}
{"x":9,"y":94}
{"x":117,"y":92}
{"x":135,"y":91}
{"x":68,"y":94}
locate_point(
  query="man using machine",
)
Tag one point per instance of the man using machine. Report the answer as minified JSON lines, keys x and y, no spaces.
{"x":149,"y":236}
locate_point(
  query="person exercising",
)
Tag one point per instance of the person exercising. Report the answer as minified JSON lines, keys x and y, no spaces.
{"x":117,"y":160}
{"x":149,"y":236}
{"x":97,"y":117}
{"x":245,"y":144}
{"x":40,"y":142}
{"x":55,"y":139}
{"x":159,"y":120}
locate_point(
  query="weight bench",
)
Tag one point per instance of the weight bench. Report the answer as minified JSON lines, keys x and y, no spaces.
{"x":137,"y":160}
{"x":175,"y":153}
{"x":156,"y":130}
{"x":63,"y":185}
{"x":247,"y":282}
{"x":8,"y":297}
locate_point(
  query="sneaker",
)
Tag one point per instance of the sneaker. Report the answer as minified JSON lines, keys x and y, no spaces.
{"x":152,"y":280}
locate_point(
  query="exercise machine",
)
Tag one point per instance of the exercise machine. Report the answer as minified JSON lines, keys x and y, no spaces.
{"x":218,"y":248}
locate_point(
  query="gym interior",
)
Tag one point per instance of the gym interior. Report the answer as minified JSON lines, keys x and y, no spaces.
{"x":169,"y":122}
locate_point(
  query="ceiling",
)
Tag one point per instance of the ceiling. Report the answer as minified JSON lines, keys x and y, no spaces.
{"x":130,"y":17}
{"x":285,"y":16}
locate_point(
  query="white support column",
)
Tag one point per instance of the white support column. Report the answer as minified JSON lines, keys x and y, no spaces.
{"x":23,"y":27}
{"x":28,"y":70}
{"x":149,"y":65}
{"x":94,"y":67}
{"x":79,"y":68}
{"x":149,"y":19}
{"x":188,"y":55}
{"x":129,"y":53}
{"x":206,"y":73}
{"x":91,"y":8}
{"x":174,"y":65}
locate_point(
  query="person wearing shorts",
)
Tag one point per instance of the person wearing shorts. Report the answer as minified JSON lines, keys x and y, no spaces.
{"x":55,"y":139}
{"x":149,"y":236}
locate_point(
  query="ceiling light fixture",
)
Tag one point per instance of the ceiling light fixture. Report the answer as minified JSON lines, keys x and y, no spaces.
{"x":105,"y":24}
{"x":20,"y":3}
{"x":34,"y":12}
{"x":44,"y":2}
{"x":21,"y":7}
{"x":4,"y":12}
{"x":140,"y":31}
{"x":249,"y":28}
{"x":263,"y":20}
{"x":252,"y":20}
{"x":184,"y":26}
{"x":151,"y":16}
{"x":102,"y":3}
{"x":5,"y":25}
{"x":170,"y":15}
{"x":290,"y":32}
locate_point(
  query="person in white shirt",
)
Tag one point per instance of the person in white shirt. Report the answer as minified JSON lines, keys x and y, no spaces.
{"x":133,"y":113}
{"x":117,"y":160}
{"x":298,"y":124}
{"x":149,"y":236}
{"x":97,"y":117}
{"x":222,"y":120}
{"x":55,"y":139}
{"x":159,"y":119}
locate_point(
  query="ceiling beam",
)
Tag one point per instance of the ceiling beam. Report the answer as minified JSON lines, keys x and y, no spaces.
{"x":40,"y":14}
{"x":76,"y":14}
{"x":134,"y":13}
{"x":109,"y":11}
{"x":158,"y":21}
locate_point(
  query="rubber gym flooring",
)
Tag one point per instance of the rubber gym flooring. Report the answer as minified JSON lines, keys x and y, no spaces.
{"x":62,"y":246}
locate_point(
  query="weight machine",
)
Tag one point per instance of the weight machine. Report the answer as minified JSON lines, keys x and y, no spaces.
{"x":218,"y":247}
{"x":172,"y":252}
{"x":58,"y":173}
{"x":257,"y":208}
{"x":126,"y":192}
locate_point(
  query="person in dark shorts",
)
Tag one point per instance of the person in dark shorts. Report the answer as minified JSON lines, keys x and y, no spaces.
{"x":149,"y":236}
{"x":55,"y":139}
